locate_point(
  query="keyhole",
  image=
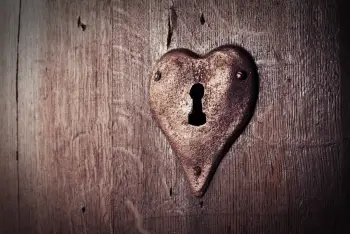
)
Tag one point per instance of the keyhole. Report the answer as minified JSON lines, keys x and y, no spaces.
{"x":196,"y":116}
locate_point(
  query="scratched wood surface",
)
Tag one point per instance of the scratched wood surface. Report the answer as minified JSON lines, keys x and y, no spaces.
{"x":8,"y":114}
{"x":92,"y":160}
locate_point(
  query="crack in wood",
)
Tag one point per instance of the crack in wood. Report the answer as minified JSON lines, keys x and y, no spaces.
{"x":81,"y":24}
{"x":172,"y":24}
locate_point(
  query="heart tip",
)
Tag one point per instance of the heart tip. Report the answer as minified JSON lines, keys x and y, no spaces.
{"x":198,"y":193}
{"x":198,"y":183}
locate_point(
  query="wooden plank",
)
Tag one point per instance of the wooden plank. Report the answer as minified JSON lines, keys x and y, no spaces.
{"x":92,"y":160}
{"x":9,"y":15}
{"x":283,"y":175}
{"x":64,"y":153}
{"x":148,"y":172}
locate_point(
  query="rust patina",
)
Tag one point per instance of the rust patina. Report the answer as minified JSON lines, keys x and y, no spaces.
{"x":202,"y":104}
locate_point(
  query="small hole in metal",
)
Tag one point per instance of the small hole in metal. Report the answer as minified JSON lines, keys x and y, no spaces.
{"x":197,"y":170}
{"x":157,"y":76}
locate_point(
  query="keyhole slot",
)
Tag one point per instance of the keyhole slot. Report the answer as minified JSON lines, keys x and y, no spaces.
{"x":196,"y":117}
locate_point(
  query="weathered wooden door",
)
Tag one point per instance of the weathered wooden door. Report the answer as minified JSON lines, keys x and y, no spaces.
{"x":80,"y":152}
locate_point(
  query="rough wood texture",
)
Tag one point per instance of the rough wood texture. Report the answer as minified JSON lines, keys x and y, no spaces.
{"x":9,"y":15}
{"x":92,"y":160}
{"x":67,"y":171}
{"x":283,"y":175}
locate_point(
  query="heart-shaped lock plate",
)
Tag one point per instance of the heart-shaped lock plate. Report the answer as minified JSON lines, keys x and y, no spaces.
{"x":202,"y":104}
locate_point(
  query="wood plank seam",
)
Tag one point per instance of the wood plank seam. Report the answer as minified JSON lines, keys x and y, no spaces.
{"x":17,"y":136}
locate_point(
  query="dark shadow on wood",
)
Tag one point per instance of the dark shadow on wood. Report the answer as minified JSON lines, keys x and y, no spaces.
{"x":344,"y":43}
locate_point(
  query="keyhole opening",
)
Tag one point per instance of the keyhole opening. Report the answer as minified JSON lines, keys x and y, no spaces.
{"x":196,"y":116}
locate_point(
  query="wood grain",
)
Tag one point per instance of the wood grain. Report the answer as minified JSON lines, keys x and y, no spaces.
{"x":66,"y":170}
{"x":283,"y":174}
{"x":9,"y":15}
{"x":92,"y":160}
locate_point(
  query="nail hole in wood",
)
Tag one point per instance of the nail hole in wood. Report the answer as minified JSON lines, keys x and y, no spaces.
{"x":81,"y":24}
{"x":202,"y":20}
{"x":201,"y":204}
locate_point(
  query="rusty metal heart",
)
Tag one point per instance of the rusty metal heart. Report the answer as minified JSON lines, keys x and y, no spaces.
{"x":202,"y":104}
